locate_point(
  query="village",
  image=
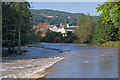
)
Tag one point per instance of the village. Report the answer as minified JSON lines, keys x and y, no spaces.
{"x":63,"y":29}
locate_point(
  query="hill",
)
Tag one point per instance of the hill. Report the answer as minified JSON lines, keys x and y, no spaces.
{"x":55,"y":17}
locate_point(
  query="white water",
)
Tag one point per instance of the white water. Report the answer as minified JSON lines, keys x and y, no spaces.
{"x":26,"y":68}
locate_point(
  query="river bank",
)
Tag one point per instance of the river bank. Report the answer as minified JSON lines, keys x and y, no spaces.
{"x":112,"y":43}
{"x":32,"y":64}
{"x":5,"y":52}
{"x":109,"y":43}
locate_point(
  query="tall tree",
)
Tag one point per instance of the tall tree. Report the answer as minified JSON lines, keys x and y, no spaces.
{"x":105,"y":32}
{"x":110,"y":11}
{"x":16,"y":23}
{"x":85,"y":31}
{"x":23,"y":11}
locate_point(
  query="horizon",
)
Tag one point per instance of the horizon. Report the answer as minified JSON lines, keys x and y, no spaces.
{"x":70,"y":7}
{"x":56,"y":10}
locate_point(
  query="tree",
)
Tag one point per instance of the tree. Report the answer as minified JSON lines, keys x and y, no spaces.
{"x":52,"y":36}
{"x":105,"y":32}
{"x":16,"y":24}
{"x":85,"y":31}
{"x":39,"y":16}
{"x":22,"y":9}
{"x":110,"y":11}
{"x":70,"y":38}
{"x":8,"y":27}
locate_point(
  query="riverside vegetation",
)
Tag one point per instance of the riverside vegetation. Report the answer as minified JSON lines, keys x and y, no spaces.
{"x":18,"y":19}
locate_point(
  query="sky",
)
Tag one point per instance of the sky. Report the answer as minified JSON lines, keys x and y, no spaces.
{"x":72,"y":7}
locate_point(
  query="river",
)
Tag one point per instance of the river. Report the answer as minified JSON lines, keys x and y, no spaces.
{"x":81,"y":61}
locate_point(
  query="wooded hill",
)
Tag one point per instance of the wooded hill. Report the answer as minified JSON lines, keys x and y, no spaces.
{"x":56,"y":17}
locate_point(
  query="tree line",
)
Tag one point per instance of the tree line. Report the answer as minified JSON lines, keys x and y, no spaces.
{"x":39,"y":16}
{"x":16,"y":25}
{"x":107,"y":29}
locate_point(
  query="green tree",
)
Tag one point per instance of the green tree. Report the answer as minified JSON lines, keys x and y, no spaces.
{"x":85,"y":31}
{"x":70,"y":38}
{"x":52,"y":36}
{"x":105,"y":32}
{"x":39,"y":16}
{"x":110,"y":11}
{"x":16,"y":24}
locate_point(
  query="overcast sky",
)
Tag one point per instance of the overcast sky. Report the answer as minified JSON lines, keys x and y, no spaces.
{"x":73,"y":7}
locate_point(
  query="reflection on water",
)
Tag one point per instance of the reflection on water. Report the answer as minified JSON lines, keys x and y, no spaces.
{"x":86,"y":61}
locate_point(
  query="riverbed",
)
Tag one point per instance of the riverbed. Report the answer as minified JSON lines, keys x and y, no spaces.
{"x":80,"y":61}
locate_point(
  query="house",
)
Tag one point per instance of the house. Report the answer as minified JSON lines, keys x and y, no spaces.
{"x":63,"y":29}
{"x":54,"y":28}
{"x":49,"y":16}
{"x":70,"y":28}
{"x":39,"y":27}
{"x":43,"y":27}
{"x":69,"y":17}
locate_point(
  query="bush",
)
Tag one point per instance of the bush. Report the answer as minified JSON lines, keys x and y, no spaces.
{"x":105,"y":33}
{"x":112,"y":43}
{"x":55,"y":37}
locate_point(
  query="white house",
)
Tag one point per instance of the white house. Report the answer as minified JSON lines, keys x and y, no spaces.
{"x":63,"y":29}
{"x":54,"y":28}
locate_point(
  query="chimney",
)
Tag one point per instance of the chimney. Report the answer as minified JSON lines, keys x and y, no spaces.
{"x":68,"y":25}
{"x":60,"y":24}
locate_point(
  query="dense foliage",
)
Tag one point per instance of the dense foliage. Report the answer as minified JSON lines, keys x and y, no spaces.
{"x":110,"y":11}
{"x":85,"y":31}
{"x":34,"y":37}
{"x":105,"y":32}
{"x":55,"y":37}
{"x":16,"y":24}
{"x":39,"y":16}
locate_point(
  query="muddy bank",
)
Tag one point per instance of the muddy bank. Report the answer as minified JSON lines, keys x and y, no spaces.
{"x":30,"y":68}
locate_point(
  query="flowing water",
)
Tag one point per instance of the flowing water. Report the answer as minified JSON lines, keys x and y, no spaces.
{"x":81,"y":61}
{"x":87,"y":61}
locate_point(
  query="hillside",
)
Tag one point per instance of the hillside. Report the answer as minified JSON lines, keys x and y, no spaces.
{"x":55,"y":17}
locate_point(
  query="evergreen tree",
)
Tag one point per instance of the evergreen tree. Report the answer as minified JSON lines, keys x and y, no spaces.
{"x":16,"y":24}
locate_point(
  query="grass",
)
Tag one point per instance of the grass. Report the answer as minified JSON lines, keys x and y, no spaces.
{"x":112,"y":43}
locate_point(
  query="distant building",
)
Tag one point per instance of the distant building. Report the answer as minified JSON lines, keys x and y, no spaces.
{"x":50,"y":16}
{"x":54,"y":28}
{"x":43,"y":27}
{"x":69,"y":17}
{"x":63,"y":29}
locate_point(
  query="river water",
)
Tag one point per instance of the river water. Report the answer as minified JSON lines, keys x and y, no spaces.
{"x":81,"y":61}
{"x":86,"y":61}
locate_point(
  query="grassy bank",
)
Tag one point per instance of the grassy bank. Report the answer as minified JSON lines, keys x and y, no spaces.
{"x":109,"y":43}
{"x":112,"y":43}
